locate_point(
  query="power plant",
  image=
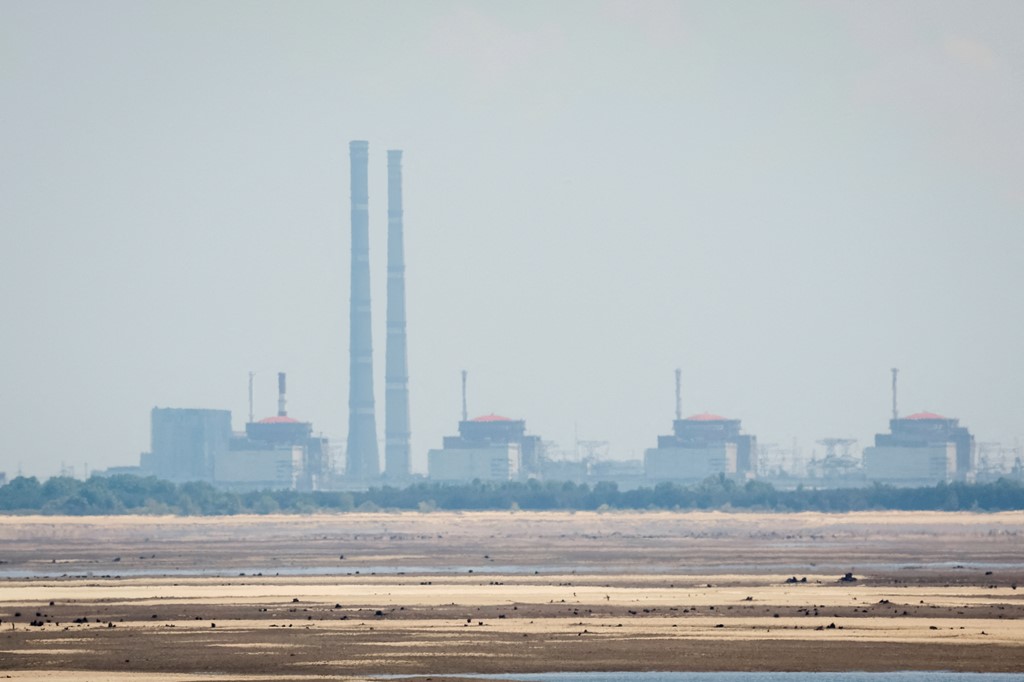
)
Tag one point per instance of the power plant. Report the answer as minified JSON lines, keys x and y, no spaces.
{"x":700,"y":446}
{"x":199,"y":445}
{"x":488,"y":448}
{"x":279,"y":451}
{"x":922,"y":449}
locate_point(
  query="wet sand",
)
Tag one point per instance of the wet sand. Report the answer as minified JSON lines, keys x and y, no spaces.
{"x":346,"y":596}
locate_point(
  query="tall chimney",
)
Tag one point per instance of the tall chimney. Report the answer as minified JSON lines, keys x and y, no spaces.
{"x":281,"y":411}
{"x":362,"y":458}
{"x":679,"y":394}
{"x":396,"y":361}
{"x":895,"y":413}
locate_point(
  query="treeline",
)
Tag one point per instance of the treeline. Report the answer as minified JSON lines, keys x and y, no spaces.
{"x":137,"y":495}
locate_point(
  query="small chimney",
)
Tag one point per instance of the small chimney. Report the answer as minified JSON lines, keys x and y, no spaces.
{"x":895,"y":413}
{"x":465,"y":412}
{"x":679,"y":394}
{"x":281,"y":411}
{"x":252,"y":415}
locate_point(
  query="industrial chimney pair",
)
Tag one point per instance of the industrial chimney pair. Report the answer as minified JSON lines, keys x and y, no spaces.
{"x":362,"y":458}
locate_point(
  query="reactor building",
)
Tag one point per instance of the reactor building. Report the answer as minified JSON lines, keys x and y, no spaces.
{"x":700,"y":446}
{"x":923,"y":449}
{"x":274,"y":452}
{"x":278,"y":452}
{"x":488,"y":448}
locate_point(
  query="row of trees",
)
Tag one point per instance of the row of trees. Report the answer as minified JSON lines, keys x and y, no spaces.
{"x":136,"y":495}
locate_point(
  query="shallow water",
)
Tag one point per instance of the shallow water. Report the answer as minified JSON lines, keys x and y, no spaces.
{"x":71,"y":571}
{"x":905,"y":676}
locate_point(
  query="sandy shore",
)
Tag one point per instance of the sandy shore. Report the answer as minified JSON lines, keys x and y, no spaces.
{"x":345,"y":596}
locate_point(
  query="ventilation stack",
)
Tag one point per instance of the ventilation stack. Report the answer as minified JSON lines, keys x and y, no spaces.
{"x":465,"y":411}
{"x":895,"y":412}
{"x":396,"y":361}
{"x":281,"y":404}
{"x":679,"y":394}
{"x":362,"y":458}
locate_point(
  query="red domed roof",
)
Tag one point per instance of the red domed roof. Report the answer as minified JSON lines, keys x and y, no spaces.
{"x":279,"y":420}
{"x":921,"y":416}
{"x":490,"y":418}
{"x":706,"y":417}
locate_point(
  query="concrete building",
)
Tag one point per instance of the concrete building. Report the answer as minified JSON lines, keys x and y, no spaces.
{"x":489,"y":448}
{"x":627,"y":474}
{"x":921,"y":450}
{"x":275,"y":452}
{"x":198,"y":445}
{"x":185,"y":442}
{"x":275,"y":468}
{"x":700,"y":446}
{"x":281,"y":443}
{"x":492,"y":463}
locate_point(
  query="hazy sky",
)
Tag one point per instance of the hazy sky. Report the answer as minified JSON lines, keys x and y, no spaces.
{"x":783,"y":199}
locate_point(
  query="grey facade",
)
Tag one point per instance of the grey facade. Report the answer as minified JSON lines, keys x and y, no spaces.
{"x":185,"y":443}
{"x":362,"y":456}
{"x":282,"y":433}
{"x":396,"y":369}
{"x":497,"y":444}
{"x":494,"y":431}
{"x":926,"y":430}
{"x":717,"y":442}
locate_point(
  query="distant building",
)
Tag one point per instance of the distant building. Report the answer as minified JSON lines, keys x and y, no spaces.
{"x":184,"y":443}
{"x":488,"y":448}
{"x":919,"y":450}
{"x":625,"y":473}
{"x":564,"y":470}
{"x":700,"y":446}
{"x":274,"y":468}
{"x":198,"y":445}
{"x":276,"y":452}
{"x":119,"y":471}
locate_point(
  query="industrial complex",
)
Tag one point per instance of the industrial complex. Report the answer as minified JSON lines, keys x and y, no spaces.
{"x":283,"y":452}
{"x":199,"y":445}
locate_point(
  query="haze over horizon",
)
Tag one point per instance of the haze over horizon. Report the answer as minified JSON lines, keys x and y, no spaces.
{"x":783,"y":199}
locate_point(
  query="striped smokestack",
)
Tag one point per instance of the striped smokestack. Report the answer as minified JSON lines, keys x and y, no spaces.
{"x":396,"y":372}
{"x":362,"y":458}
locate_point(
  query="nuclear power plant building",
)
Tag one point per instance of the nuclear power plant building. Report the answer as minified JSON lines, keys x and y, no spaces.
{"x":274,"y":453}
{"x":921,"y":450}
{"x":185,"y":442}
{"x":488,"y":448}
{"x":700,"y":446}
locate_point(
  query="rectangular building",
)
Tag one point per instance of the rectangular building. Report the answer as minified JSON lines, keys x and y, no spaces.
{"x":275,"y":468}
{"x":185,"y":442}
{"x":910,"y":466}
{"x":700,"y":446}
{"x":690,"y":465}
{"x":489,"y":463}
